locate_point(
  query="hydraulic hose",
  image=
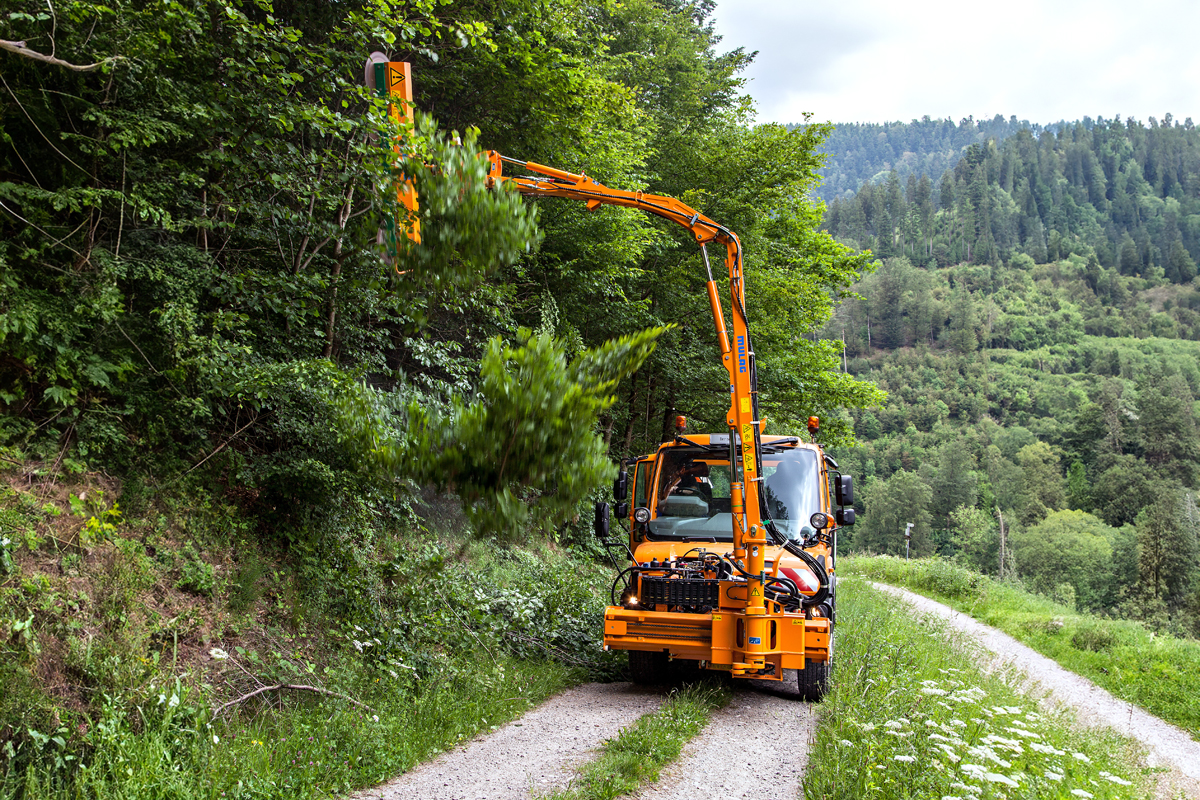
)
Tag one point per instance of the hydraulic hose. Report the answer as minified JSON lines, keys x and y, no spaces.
{"x":819,"y":571}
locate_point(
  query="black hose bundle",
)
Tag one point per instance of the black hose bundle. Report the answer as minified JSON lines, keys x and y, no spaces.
{"x":818,"y":570}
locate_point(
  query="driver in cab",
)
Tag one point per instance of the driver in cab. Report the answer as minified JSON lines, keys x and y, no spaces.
{"x":693,"y":481}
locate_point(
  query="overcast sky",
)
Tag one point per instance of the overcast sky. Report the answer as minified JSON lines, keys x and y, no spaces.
{"x":1041,"y":60}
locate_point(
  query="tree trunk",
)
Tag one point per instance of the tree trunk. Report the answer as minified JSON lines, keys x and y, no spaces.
{"x":669,"y":414}
{"x":627,"y":438}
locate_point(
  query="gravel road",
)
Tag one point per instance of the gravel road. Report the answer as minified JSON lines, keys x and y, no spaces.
{"x":732,"y":758}
{"x":533,"y":754}
{"x":1167,"y":746}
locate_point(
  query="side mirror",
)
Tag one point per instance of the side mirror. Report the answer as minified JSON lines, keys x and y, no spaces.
{"x":622,"y":510}
{"x":845,"y":516}
{"x":844,"y":489}
{"x":621,"y":486}
{"x":601,"y":523}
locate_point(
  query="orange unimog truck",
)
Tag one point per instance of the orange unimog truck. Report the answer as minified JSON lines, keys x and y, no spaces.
{"x":732,"y":535}
{"x":689,"y":593}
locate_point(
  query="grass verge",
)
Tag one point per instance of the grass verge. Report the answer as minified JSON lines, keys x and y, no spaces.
{"x":909,"y":715}
{"x":1155,"y":671}
{"x":306,"y":748}
{"x":641,"y":750}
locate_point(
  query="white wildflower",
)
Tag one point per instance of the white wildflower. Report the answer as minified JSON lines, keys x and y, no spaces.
{"x":957,"y":723}
{"x":965,"y":787}
{"x":375,"y":717}
{"x":899,"y":734}
{"x":1081,"y":757}
{"x":905,"y":759}
{"x":1054,"y":776}
{"x":162,"y":698}
{"x":974,"y":769}
{"x":216,"y":739}
{"x":218,"y":654}
{"x":1049,"y":750}
{"x":1116,"y":780}
{"x":845,"y":743}
{"x":996,"y":777}
{"x":951,"y":797}
{"x":929,"y":723}
{"x":1023,"y":732}
{"x":1080,"y":793}
{"x":893,"y":724}
{"x":174,"y":701}
{"x":950,"y":754}
{"x":933,"y":691}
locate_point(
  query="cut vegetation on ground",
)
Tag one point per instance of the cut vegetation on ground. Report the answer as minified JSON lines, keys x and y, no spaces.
{"x":1155,"y":671}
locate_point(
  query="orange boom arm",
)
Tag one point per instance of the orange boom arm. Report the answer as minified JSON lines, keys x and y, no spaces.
{"x":749,"y":535}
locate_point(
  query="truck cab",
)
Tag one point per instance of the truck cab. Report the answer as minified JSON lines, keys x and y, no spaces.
{"x":683,"y":597}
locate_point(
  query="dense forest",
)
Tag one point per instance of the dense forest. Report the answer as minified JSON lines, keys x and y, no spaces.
{"x":1122,"y":192}
{"x":187,"y":243}
{"x":1034,"y":322}
{"x":861,"y":153}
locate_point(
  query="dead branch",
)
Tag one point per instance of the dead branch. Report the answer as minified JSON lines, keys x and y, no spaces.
{"x":21,"y":49}
{"x":297,"y":687}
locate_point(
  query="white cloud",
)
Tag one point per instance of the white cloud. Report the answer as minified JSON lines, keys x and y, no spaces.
{"x":877,"y":60}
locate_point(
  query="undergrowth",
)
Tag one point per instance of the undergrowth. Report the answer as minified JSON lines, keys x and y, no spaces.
{"x":1155,"y":671}
{"x":642,"y":749}
{"x":909,"y":715}
{"x":123,"y":634}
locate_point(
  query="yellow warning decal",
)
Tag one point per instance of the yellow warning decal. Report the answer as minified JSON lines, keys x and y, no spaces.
{"x":716,"y":616}
{"x":745,"y":405}
{"x":756,"y":593}
{"x":395,"y":76}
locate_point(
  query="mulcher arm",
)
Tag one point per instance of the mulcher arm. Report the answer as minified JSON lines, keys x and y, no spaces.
{"x":749,"y":531}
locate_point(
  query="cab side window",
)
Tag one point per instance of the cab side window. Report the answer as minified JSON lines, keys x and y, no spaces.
{"x":641,"y":483}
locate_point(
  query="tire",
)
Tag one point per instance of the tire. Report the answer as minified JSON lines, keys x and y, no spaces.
{"x":647,"y":668}
{"x":813,"y":680}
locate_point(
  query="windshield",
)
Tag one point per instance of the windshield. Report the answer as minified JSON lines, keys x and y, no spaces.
{"x":693,"y":498}
{"x":792,"y":488}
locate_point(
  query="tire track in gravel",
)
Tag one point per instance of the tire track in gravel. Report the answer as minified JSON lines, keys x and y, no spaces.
{"x":739,"y":755}
{"x":1167,"y":745}
{"x":535,"y":753}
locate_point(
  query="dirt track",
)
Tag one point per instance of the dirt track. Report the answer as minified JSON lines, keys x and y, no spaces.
{"x":540,"y":751}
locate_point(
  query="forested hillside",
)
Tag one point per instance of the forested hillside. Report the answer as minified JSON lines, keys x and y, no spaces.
{"x":1034,"y":322}
{"x":1124,"y":192}
{"x":860,"y":153}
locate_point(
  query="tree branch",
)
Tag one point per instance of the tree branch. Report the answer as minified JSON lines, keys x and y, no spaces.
{"x":21,"y":49}
{"x":294,"y":687}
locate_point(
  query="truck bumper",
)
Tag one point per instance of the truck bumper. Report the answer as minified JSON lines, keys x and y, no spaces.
{"x":718,"y":640}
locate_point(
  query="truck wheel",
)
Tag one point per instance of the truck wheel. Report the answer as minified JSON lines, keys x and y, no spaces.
{"x":647,"y":667}
{"x":814,"y":680}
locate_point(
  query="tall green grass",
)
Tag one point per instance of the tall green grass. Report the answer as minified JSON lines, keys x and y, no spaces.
{"x":909,"y":715}
{"x":307,"y":748}
{"x":1157,"y":672}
